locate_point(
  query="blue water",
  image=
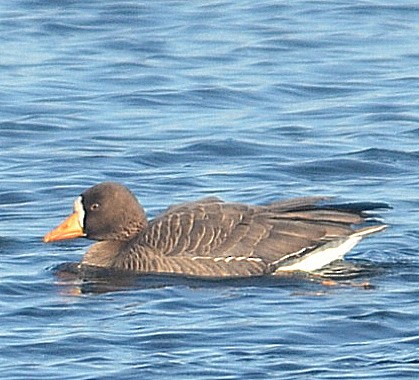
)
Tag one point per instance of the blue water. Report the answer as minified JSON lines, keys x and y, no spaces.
{"x":251,"y":101}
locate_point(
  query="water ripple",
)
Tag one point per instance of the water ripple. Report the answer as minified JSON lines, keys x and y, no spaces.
{"x":253,"y":102}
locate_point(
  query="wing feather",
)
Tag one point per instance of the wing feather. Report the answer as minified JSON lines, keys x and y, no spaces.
{"x":211,"y":230}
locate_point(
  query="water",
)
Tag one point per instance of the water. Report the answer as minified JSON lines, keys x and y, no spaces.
{"x":249,"y":101}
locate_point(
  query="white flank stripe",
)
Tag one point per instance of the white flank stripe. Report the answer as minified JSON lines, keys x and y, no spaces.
{"x":322,"y":256}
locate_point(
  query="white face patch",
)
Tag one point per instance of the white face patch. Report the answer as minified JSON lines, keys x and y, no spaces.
{"x":79,"y":209}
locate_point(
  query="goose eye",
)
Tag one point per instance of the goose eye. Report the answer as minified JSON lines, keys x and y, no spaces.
{"x":94,"y":206}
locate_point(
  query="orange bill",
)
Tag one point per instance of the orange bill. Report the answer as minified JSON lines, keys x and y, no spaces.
{"x":69,"y":229}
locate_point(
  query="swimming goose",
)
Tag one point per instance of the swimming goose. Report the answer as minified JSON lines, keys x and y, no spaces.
{"x":211,"y":238}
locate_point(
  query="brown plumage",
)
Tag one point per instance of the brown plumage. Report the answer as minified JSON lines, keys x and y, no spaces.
{"x":208,"y":237}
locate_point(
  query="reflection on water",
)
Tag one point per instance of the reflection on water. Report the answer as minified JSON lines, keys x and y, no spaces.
{"x":77,"y":280}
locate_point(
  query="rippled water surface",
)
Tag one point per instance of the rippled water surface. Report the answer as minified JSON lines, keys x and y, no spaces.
{"x":249,"y":101}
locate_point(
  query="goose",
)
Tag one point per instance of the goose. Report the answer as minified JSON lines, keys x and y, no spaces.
{"x":212,"y":238}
